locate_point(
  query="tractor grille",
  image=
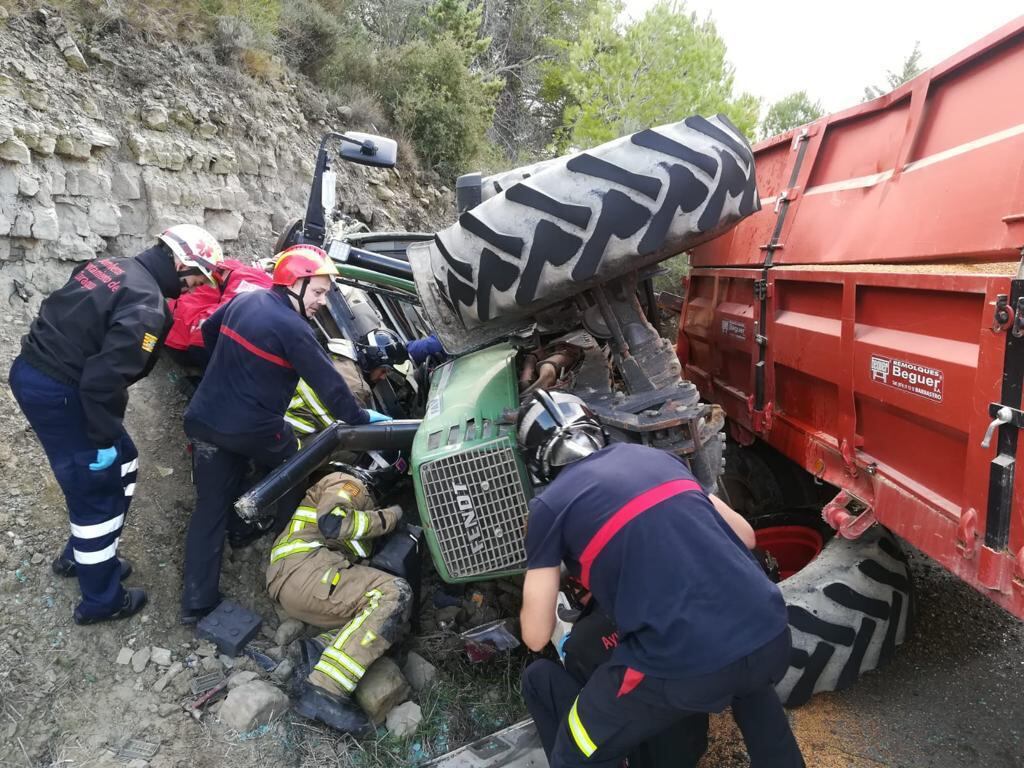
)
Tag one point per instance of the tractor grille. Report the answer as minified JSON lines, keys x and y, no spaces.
{"x":477,"y":508}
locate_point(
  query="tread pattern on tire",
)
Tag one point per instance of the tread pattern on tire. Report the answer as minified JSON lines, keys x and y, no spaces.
{"x":590,"y":217}
{"x":848,"y":611}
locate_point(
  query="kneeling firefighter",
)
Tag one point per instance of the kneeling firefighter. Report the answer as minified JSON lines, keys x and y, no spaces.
{"x":316,"y":576}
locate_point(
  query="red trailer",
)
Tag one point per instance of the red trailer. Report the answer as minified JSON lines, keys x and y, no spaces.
{"x":868,"y":322}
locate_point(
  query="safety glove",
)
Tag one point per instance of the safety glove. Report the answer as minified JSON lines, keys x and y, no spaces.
{"x":104,"y":458}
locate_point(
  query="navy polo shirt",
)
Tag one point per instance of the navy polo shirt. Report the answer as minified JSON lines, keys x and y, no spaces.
{"x":687,"y":596}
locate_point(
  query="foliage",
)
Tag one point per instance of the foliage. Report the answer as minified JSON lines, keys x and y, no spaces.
{"x":530,"y":44}
{"x":438,"y":102}
{"x":790,"y":112}
{"x":911,"y":68}
{"x":660,"y":69}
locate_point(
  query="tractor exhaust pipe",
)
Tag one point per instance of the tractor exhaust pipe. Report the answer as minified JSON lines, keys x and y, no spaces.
{"x":382,"y":436}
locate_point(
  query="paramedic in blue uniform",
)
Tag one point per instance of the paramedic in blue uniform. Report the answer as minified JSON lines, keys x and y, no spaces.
{"x":259,"y":345}
{"x":700,"y":626}
{"x":91,"y":340}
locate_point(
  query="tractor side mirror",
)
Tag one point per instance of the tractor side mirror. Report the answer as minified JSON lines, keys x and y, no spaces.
{"x":368,"y":149}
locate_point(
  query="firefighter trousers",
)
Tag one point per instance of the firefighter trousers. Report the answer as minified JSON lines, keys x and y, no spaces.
{"x":220,"y":463}
{"x":619,"y":708}
{"x":549,"y":690}
{"x":364,"y":609}
{"x":97,"y":501}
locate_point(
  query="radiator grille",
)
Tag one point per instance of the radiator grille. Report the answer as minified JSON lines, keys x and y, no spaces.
{"x":478,"y":509}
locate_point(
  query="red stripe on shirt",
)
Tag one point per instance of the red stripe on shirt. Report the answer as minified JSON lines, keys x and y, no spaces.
{"x":234,"y":336}
{"x":633,"y":508}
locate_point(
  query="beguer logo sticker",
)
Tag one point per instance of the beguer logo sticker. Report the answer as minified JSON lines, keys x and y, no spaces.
{"x":909,"y":377}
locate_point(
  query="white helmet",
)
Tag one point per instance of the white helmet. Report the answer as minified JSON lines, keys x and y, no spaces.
{"x":194,"y":247}
{"x":554,"y":430}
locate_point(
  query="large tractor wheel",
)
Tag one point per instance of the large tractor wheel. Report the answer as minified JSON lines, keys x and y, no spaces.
{"x":849,"y":602}
{"x":849,"y":607}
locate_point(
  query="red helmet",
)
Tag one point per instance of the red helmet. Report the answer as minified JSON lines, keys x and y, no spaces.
{"x":301,"y":261}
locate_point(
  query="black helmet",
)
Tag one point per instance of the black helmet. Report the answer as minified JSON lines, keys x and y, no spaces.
{"x":556,"y":429}
{"x":381,"y":347}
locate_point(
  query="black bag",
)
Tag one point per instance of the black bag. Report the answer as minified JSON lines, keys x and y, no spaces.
{"x":400,"y":554}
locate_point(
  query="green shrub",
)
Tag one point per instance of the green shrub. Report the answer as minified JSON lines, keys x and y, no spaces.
{"x":434,"y":98}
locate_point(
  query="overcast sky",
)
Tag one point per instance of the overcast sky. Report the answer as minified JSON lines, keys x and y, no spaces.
{"x":833,"y":48}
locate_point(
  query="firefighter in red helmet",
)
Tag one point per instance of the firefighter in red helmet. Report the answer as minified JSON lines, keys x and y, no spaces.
{"x":259,"y":345}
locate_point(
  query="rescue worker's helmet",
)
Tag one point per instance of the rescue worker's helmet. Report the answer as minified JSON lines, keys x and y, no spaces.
{"x":381,"y":347}
{"x":555,"y":429}
{"x":301,"y":261}
{"x":195,"y":248}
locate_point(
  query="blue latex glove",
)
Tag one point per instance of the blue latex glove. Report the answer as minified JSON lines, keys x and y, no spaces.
{"x":104,"y":458}
{"x":376,"y":416}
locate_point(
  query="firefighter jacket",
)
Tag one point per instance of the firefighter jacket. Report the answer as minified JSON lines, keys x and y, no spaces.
{"x":332,"y":516}
{"x":101,"y":332}
{"x":259,"y":347}
{"x":308,"y":415}
{"x":191,"y":310}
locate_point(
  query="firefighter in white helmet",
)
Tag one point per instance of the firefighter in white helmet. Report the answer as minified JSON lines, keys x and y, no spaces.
{"x":91,"y":340}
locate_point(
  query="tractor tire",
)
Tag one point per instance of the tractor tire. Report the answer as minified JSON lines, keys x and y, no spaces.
{"x":848,"y":610}
{"x":290,"y":235}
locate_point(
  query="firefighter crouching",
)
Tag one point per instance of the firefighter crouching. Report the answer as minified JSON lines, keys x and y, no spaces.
{"x":315,"y":575}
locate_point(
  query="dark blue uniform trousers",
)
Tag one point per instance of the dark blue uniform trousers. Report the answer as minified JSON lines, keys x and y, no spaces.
{"x":613,"y":714}
{"x":97,"y":501}
{"x":220,"y":465}
{"x":549,"y":690}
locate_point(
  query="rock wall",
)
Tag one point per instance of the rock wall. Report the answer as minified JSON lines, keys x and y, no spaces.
{"x":106,"y":142}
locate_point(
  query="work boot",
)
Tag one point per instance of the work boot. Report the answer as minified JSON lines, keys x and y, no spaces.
{"x":69,"y":568}
{"x":339,"y":712}
{"x":312,"y":649}
{"x":134,"y":601}
{"x":192,"y":616}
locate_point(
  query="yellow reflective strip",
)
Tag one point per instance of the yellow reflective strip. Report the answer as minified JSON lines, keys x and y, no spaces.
{"x":362,"y":524}
{"x":313,"y":401}
{"x":326,"y":637}
{"x":323,"y":579}
{"x":295,"y":403}
{"x":358,"y":548}
{"x":299,"y":425}
{"x":305,"y":513}
{"x":339,"y":512}
{"x":297,"y":525}
{"x":343,"y":495}
{"x":336,"y":674}
{"x":290,"y":549}
{"x":579,"y":733}
{"x":336,"y":579}
{"x":346,"y":661}
{"x":374,"y":597}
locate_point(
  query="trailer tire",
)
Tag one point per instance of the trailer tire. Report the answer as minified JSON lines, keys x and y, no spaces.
{"x":848,"y":610}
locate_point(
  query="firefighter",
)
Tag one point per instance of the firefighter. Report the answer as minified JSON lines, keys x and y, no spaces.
{"x":362,"y":365}
{"x":316,"y":576}
{"x":92,"y":339}
{"x":260,"y":344}
{"x":700,"y":625}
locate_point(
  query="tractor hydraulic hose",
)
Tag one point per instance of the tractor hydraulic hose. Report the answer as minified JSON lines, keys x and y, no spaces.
{"x":382,"y":436}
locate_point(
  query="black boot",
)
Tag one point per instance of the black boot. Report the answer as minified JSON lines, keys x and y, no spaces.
{"x":134,"y":601}
{"x":339,"y":712}
{"x":68,"y":568}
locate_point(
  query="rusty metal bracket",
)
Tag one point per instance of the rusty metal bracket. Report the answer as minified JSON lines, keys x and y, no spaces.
{"x":1003,"y":315}
{"x":848,"y":524}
